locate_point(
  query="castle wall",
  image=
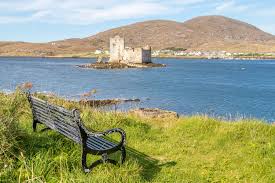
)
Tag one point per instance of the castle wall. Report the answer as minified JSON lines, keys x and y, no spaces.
{"x":146,"y":56}
{"x":132,"y":55}
{"x":116,"y":49}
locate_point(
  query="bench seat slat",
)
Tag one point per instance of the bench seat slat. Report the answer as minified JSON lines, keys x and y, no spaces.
{"x":101,"y":143}
{"x":94,"y":146}
{"x":99,"y":146}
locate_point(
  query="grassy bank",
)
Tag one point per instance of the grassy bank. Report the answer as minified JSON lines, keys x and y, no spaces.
{"x":189,"y":149}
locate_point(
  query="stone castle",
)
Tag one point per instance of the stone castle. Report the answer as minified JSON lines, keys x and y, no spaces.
{"x":121,"y":54}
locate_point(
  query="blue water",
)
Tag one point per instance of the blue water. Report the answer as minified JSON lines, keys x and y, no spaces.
{"x":215,"y":87}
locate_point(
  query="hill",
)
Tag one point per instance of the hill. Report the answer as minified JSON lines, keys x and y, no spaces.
{"x":195,"y":34}
{"x":209,"y":33}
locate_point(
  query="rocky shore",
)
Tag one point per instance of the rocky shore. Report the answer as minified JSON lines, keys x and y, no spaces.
{"x":119,"y":65}
{"x":106,"y":102}
{"x":153,"y":113}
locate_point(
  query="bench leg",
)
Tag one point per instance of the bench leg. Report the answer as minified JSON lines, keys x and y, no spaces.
{"x":34,"y":124}
{"x":104,"y":159}
{"x":84,"y":162}
{"x":123,"y":154}
{"x":85,"y":167}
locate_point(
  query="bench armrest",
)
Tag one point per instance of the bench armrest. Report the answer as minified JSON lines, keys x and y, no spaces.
{"x":114,"y":130}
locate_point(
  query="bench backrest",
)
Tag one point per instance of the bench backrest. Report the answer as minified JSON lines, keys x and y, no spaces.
{"x":56,"y":118}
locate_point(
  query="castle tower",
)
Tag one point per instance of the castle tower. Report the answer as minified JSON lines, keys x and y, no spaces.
{"x":116,"y":49}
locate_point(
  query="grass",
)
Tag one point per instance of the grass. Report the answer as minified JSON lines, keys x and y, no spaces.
{"x":188,"y":149}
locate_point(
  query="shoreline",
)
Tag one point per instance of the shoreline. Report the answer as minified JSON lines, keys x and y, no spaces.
{"x":137,"y":110}
{"x":159,"y":57}
{"x":111,"y":65}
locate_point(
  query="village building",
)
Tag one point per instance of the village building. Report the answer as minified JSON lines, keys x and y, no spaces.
{"x":121,"y":54}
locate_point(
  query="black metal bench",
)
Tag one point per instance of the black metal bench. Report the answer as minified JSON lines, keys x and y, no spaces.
{"x":69,"y":124}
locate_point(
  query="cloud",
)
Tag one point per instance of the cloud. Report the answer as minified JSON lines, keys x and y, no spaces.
{"x":86,"y":11}
{"x":117,"y":12}
{"x":230,"y":6}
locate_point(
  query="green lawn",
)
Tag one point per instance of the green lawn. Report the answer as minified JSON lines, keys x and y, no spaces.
{"x":189,"y":149}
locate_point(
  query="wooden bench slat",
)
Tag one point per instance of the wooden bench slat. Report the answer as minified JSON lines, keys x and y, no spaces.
{"x":102,"y":144}
{"x":56,"y":125}
{"x":60,"y":109}
{"x":66,"y":120}
{"x":94,"y":146}
{"x":48,"y":108}
{"x":45,"y":121}
{"x":98,"y":140}
{"x":99,"y":146}
{"x":57,"y":108}
{"x":67,"y":134}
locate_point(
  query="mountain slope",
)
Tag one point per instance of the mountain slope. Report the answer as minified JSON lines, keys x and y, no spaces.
{"x":200,"y":33}
{"x":219,"y":28}
{"x":190,"y":34}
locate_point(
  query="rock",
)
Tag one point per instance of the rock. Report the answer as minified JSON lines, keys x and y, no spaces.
{"x":154,"y":113}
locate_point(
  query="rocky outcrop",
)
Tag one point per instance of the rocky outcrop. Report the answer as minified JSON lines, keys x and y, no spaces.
{"x":106,"y":102}
{"x":153,"y":113}
{"x":115,"y":65}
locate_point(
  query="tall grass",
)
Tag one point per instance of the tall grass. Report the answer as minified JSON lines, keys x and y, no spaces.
{"x":11,"y":110}
{"x":189,"y":149}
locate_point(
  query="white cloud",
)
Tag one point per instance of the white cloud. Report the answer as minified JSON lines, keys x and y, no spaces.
{"x":117,"y":12}
{"x":86,"y":11}
{"x":230,"y":6}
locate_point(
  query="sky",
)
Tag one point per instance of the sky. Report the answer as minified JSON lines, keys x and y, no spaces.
{"x":50,"y":20}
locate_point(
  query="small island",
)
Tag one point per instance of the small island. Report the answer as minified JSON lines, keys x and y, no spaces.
{"x":124,"y":57}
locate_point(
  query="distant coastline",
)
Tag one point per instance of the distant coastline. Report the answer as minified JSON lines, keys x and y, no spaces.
{"x":162,"y":56}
